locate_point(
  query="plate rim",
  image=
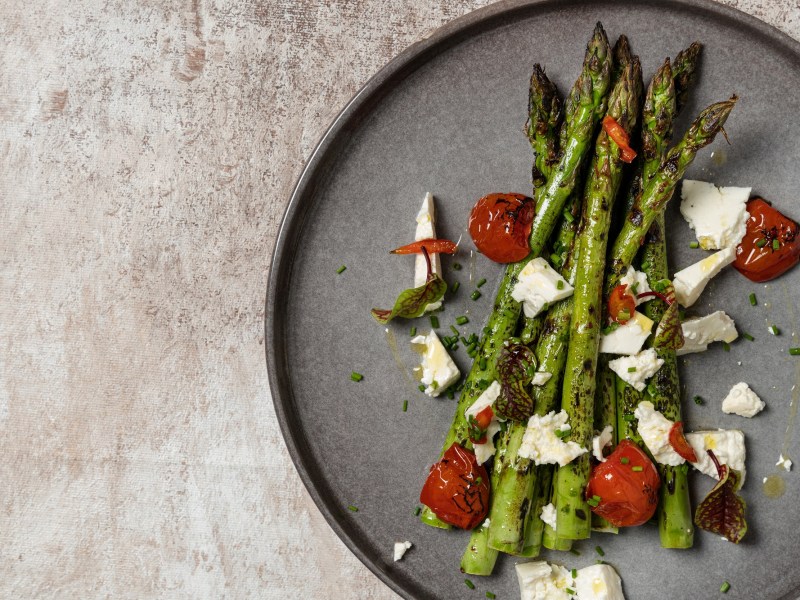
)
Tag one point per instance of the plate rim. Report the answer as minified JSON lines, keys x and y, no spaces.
{"x":281,"y":265}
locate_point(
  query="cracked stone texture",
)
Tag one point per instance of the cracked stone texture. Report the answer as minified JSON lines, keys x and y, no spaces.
{"x":148,"y":150}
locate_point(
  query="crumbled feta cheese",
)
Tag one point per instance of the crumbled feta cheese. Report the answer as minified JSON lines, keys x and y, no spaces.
{"x":542,"y":581}
{"x":699,"y":333}
{"x":742,"y":401}
{"x":438,"y":370}
{"x":727,"y":445}
{"x":637,"y":369}
{"x":541,"y":377}
{"x":400,"y":549}
{"x":784,"y":463}
{"x":690,"y":282}
{"x":637,"y":284}
{"x":601,"y":441}
{"x":718,"y":215}
{"x":654,"y":429}
{"x":538,"y":285}
{"x":486,"y":523}
{"x":549,"y":516}
{"x":484,"y":452}
{"x":627,"y":338}
{"x":426,"y":229}
{"x":598,"y":582}
{"x":541,"y":444}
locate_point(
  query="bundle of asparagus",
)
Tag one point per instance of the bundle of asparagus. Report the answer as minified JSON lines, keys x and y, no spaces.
{"x":572,"y":222}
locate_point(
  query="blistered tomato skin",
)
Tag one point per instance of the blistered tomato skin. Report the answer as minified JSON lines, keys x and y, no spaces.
{"x":500,"y":225}
{"x":758,"y":257}
{"x":457,"y":489}
{"x":627,"y":485}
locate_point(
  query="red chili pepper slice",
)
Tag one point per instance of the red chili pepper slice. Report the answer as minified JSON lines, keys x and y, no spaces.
{"x":433,"y":246}
{"x":678,"y":442}
{"x":620,"y":137}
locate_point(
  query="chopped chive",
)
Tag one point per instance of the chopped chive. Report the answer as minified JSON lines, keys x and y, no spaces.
{"x":481,"y":282}
{"x":596,"y":498}
{"x":652,"y":390}
{"x":726,"y":346}
{"x":490,"y":595}
{"x":434,"y":321}
{"x":450,"y":393}
{"x":645,"y":265}
{"x":592,"y":502}
{"x":694,"y":245}
{"x":631,"y":369}
{"x":747,"y":336}
{"x":456,"y":266}
{"x":776,"y":245}
{"x":628,"y":418}
{"x":356,"y":376}
{"x":482,"y":363}
{"x":352,"y":508}
{"x":421,"y":387}
{"x":466,"y":341}
{"x":574,"y":551}
{"x":341,"y":270}
{"x":413,"y":331}
{"x":556,"y":260}
{"x":560,"y":284}
{"x":698,"y":400}
{"x":574,"y":573}
{"x":753,"y":301}
{"x":469,"y":584}
{"x":455,"y":286}
{"x":794,"y":351}
{"x":462,"y":320}
{"x":599,"y":550}
{"x":724,"y":587}
{"x":417,"y":511}
{"x":624,"y":460}
{"x":569,"y":591}
{"x":475,"y":295}
{"x":562,"y":433}
{"x":761,"y":243}
{"x":405,"y":405}
{"x":454,"y":330}
{"x":568,"y":216}
{"x":454,"y":347}
{"x":774,"y":330}
{"x":635,"y":288}
{"x":636,"y":469}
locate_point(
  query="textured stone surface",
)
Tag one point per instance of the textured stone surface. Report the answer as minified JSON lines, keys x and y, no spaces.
{"x":148,"y":150}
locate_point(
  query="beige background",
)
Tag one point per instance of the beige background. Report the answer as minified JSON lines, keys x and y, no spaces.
{"x":148,"y":149}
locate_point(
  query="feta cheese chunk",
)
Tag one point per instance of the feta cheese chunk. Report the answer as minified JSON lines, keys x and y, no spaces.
{"x":484,"y":452}
{"x":637,"y":284}
{"x":637,"y":369}
{"x":690,"y":282}
{"x":438,"y":370}
{"x":542,"y":581}
{"x":699,"y":333}
{"x":539,"y":285}
{"x":400,"y":548}
{"x":541,"y":444}
{"x":627,"y":338}
{"x":654,"y":429}
{"x":549,"y":516}
{"x":601,"y":441}
{"x":718,"y":215}
{"x":598,"y":582}
{"x":784,"y":463}
{"x":426,"y":229}
{"x":727,"y":445}
{"x":541,"y":377}
{"x":742,"y":401}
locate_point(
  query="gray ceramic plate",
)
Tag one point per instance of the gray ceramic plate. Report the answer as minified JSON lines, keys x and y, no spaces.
{"x":446,"y":116}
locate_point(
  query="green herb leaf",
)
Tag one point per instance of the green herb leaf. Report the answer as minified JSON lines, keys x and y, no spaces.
{"x":722,"y":511}
{"x":412,"y":302}
{"x":514,"y":364}
{"x":669,"y":333}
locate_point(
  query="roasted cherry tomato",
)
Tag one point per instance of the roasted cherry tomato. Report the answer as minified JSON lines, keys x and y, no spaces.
{"x":627,"y":486}
{"x":431,"y":245}
{"x":500,"y":225}
{"x":621,"y":305}
{"x":620,"y":137}
{"x":457,"y":489}
{"x":771,"y":245}
{"x":678,"y":442}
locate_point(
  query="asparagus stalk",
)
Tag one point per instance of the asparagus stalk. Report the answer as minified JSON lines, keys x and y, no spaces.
{"x":578,"y":391}
{"x":550,"y":539}
{"x":588,"y":94}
